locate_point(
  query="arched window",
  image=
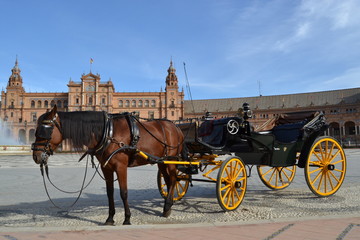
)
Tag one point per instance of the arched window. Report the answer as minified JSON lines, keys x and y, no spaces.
{"x":58,"y":103}
{"x":121,"y":103}
{"x":350,"y":128}
{"x":133,"y":103}
{"x":22,"y":136}
{"x":140,"y":103}
{"x":33,"y":104}
{"x":334,"y":129}
{"x":46,"y":103}
{"x":146,"y":103}
{"x":39,"y":104}
{"x":153,"y":103}
{"x":52,"y":104}
{"x":32,"y":135}
{"x":127,"y":103}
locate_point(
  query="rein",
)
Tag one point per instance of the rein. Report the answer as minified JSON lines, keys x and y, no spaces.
{"x":157,"y":139}
{"x":83,"y":186}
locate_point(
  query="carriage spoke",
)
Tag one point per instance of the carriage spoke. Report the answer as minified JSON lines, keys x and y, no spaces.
{"x":338,"y":170}
{"x":331,"y":150}
{"x":334,"y":176}
{"x":316,"y":155}
{"x":268,"y":171}
{"x":226,"y":196}
{"x":317,"y":176}
{"x":271,"y":177}
{"x":286,"y":174}
{"x":320,"y":182}
{"x":237,"y":174}
{"x":334,"y":156}
{"x":316,"y":170}
{"x":225,"y":187}
{"x":227,"y":171}
{"x":235,"y":169}
{"x":329,"y":179}
{"x":322,"y":152}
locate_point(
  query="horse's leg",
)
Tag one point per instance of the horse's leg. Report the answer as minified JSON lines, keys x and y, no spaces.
{"x":169,"y":173}
{"x":109,"y":179}
{"x":122,"y":178}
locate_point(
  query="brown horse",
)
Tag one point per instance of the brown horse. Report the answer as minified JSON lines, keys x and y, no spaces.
{"x":115,"y":147}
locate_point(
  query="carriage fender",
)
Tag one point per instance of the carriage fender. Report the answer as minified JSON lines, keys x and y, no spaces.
{"x":305,"y":151}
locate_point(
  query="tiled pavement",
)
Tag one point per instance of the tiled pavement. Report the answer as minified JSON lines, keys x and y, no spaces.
{"x":322,"y":228}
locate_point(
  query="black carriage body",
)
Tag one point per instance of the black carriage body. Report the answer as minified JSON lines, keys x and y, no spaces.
{"x":275,"y":144}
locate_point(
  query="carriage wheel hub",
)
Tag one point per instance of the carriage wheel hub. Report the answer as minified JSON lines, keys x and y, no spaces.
{"x":331,"y":167}
{"x":237,"y":184}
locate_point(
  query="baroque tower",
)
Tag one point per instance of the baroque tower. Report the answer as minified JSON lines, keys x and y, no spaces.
{"x":12,"y":100}
{"x":174,"y":100}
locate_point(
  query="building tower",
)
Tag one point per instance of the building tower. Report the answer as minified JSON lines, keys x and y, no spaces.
{"x":12,"y":105}
{"x":174,"y":99}
{"x":12,"y":100}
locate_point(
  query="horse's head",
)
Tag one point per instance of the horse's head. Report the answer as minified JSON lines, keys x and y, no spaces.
{"x":48,"y":136}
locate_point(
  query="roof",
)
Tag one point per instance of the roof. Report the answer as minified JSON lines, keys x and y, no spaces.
{"x":334,"y":97}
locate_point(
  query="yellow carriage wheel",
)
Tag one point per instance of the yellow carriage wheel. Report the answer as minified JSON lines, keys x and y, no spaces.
{"x":326,"y":167}
{"x":231,"y":183}
{"x":181,"y":187}
{"x":276,"y":177}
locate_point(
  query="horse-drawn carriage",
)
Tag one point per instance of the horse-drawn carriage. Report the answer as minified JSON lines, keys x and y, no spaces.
{"x":119,"y":141}
{"x":275,"y":148}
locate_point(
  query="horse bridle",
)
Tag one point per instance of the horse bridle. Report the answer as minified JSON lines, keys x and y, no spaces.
{"x":44,"y":131}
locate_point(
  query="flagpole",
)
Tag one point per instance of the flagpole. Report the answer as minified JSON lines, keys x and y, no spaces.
{"x":91,"y":61}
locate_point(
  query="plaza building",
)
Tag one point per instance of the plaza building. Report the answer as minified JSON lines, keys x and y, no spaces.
{"x":19,"y":110}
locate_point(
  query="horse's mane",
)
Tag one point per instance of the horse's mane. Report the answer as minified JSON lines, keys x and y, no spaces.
{"x":81,"y":127}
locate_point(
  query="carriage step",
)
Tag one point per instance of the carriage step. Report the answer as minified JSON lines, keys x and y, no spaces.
{"x":190,"y":169}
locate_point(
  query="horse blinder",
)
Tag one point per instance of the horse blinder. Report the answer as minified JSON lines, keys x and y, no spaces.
{"x":44,"y":131}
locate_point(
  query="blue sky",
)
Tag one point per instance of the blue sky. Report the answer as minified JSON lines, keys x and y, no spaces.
{"x":231,"y":48}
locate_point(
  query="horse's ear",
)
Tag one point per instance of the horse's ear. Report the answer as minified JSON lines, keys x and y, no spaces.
{"x":53,"y":111}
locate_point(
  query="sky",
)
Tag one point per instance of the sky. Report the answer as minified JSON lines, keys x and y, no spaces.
{"x":229,"y":48}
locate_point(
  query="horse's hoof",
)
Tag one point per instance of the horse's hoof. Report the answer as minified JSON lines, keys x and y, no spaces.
{"x":109,"y":223}
{"x":166,"y":214}
{"x":126,"y":223}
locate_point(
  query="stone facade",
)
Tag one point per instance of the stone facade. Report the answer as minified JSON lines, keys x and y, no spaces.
{"x":20,"y":110}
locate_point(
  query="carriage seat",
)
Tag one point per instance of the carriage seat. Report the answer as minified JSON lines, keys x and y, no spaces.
{"x":289,"y":132}
{"x":214,"y":132}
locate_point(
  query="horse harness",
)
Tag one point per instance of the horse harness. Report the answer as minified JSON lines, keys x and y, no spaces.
{"x":133,"y":123}
{"x":107,"y":137}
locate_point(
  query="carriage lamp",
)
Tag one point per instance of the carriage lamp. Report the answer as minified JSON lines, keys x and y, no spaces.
{"x":247,"y":111}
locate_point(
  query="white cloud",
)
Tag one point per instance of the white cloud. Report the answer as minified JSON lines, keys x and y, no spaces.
{"x":349,"y":79}
{"x":314,"y":18}
{"x":340,"y":14}
{"x":301,"y":32}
